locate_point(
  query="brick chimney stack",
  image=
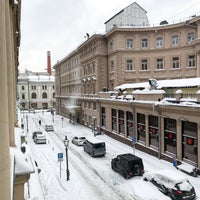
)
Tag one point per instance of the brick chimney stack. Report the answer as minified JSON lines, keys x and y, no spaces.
{"x":49,"y":62}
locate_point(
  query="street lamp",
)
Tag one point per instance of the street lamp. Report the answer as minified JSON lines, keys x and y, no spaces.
{"x":62,"y":118}
{"x":66,"y":143}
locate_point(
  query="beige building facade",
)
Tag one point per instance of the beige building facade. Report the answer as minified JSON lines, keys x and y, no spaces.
{"x":132,"y":55}
{"x":11,"y":183}
{"x":36,"y":90}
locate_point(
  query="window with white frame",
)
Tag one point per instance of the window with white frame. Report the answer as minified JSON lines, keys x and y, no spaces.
{"x":191,"y":60}
{"x":144,"y":64}
{"x":175,"y":62}
{"x":129,"y":64}
{"x":129,"y":43}
{"x":190,"y":36}
{"x":175,"y":40}
{"x":159,"y":42}
{"x":159,"y":63}
{"x":144,"y":42}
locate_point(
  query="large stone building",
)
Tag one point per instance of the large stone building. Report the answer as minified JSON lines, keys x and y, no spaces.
{"x":36,"y":90}
{"x":12,"y":177}
{"x":89,"y":86}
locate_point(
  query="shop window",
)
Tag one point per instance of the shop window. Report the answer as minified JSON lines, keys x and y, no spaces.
{"x":114,"y":120}
{"x":129,"y":125}
{"x":170,"y":136}
{"x":103,"y":116}
{"x":141,"y":133}
{"x":121,"y":122}
{"x":189,"y":141}
{"x":153,"y":131}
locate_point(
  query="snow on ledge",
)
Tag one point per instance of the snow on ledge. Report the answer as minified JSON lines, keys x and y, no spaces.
{"x":21,"y":164}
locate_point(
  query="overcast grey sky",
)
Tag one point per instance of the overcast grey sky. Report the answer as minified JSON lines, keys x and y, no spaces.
{"x":60,"y":26}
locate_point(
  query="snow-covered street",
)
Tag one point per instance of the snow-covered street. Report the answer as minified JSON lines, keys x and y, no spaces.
{"x":90,"y":178}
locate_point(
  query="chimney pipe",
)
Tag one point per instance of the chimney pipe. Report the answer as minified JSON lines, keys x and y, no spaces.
{"x":49,"y":62}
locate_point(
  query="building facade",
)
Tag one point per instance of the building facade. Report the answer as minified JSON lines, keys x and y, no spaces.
{"x":36,"y":90}
{"x":127,"y":55}
{"x":11,"y":182}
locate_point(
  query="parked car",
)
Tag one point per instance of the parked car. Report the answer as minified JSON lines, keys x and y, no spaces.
{"x":49,"y":128}
{"x":172,"y":183}
{"x":31,"y":110}
{"x":128,"y":165}
{"x":35,"y":133}
{"x":78,"y":140}
{"x":94,"y":147}
{"x":40,"y":139}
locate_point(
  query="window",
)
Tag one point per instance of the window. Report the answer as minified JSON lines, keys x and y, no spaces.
{"x":159,"y":63}
{"x":129,"y":124}
{"x":111,"y":46}
{"x":159,"y":42}
{"x":129,"y":43}
{"x":129,"y":65}
{"x":175,"y":62}
{"x":153,"y":131}
{"x":144,"y":64}
{"x":33,"y":87}
{"x":121,"y":122}
{"x":103,"y":116}
{"x":189,"y":141}
{"x":144,"y":43}
{"x":112,"y":66}
{"x":44,"y":95}
{"x":33,"y":95}
{"x":190,"y":36}
{"x":170,"y":135}
{"x":22,"y":87}
{"x":114,"y":120}
{"x":44,"y":87}
{"x":53,"y":87}
{"x":23,"y":96}
{"x":175,"y":40}
{"x":191,"y":61}
{"x":141,"y":128}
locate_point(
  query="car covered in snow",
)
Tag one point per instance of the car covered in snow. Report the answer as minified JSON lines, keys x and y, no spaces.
{"x":40,"y":139}
{"x":49,"y":128}
{"x":172,"y":183}
{"x":128,"y":165}
{"x":35,"y":133}
{"x":78,"y":140}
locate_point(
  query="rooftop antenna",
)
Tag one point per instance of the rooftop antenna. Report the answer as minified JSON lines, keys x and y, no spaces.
{"x":87,"y":36}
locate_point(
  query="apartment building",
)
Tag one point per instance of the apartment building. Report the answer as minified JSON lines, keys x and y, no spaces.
{"x":36,"y":90}
{"x":133,"y":54}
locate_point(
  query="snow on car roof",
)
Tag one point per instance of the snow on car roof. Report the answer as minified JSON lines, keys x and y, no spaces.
{"x":94,"y":140}
{"x":175,"y":176}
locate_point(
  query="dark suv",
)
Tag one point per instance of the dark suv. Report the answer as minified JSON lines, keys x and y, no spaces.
{"x":128,"y":165}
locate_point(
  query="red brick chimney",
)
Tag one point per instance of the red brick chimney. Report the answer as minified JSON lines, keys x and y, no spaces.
{"x":49,"y":62}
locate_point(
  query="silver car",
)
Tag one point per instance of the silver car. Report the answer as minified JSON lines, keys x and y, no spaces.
{"x":78,"y":140}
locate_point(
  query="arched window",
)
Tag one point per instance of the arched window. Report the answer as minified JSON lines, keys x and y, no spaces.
{"x":33,"y":95}
{"x":23,"y":96}
{"x":44,"y":95}
{"x":54,"y":95}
